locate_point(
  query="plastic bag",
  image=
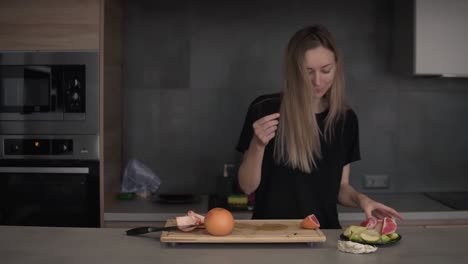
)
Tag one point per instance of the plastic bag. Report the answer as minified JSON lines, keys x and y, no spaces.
{"x":140,"y":179}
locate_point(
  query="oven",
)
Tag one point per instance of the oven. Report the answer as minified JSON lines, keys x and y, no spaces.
{"x":49,"y":180}
{"x":49,"y":193}
{"x":49,"y":140}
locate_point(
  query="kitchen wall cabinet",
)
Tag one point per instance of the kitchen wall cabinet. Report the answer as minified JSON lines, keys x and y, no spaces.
{"x":49,"y":25}
{"x":430,"y":37}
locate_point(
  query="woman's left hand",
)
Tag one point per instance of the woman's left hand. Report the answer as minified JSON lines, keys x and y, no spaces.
{"x":375,"y":209}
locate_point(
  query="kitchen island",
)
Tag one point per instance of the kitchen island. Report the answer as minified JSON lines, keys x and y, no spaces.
{"x":111,"y":245}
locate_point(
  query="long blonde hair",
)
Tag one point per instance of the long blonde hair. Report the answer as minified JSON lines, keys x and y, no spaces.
{"x":297,"y":142}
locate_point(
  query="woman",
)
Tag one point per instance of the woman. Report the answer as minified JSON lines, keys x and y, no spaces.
{"x":298,"y":145}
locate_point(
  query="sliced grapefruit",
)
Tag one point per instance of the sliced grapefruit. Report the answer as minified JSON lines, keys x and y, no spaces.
{"x":370,"y":223}
{"x":389,"y":226}
{"x":310,"y":222}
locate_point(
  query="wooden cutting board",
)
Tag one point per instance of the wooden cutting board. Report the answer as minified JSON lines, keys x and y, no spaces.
{"x":249,"y":231}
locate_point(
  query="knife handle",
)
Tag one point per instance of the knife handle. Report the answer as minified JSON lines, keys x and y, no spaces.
{"x":138,"y":231}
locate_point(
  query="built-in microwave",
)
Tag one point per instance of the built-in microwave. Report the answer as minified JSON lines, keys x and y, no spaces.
{"x":52,"y":90}
{"x":49,"y":93}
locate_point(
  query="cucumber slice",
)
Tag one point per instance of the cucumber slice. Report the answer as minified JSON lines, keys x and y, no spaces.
{"x":384,"y":238}
{"x":393,"y":236}
{"x":356,"y":238}
{"x":353,"y":229}
{"x":370,"y":236}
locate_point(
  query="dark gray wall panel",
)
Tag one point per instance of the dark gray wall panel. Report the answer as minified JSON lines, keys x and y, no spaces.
{"x":192,"y":68}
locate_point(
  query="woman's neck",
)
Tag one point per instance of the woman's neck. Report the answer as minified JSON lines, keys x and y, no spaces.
{"x":320,"y":105}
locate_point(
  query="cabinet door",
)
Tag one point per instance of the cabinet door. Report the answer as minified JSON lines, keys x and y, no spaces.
{"x":441,"y":37}
{"x":49,"y":25}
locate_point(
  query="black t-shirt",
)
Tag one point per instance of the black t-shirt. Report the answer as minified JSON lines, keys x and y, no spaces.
{"x":286,"y":193}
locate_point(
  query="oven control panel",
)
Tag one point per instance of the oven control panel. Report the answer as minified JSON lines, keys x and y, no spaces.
{"x":81,"y":147}
{"x":38,"y":146}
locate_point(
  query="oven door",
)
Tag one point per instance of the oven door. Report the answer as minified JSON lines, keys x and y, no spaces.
{"x":50,"y":193}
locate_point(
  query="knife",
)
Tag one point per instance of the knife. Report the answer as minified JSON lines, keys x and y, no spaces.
{"x":147,"y":229}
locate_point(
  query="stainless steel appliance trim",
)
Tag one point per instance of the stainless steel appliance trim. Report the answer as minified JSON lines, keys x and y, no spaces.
{"x":31,"y":116}
{"x":51,"y":123}
{"x":85,"y":147}
{"x":76,"y":170}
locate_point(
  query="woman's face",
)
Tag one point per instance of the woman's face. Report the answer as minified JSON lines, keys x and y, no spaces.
{"x":320,"y":66}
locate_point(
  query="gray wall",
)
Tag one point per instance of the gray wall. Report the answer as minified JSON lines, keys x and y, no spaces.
{"x":191,"y":70}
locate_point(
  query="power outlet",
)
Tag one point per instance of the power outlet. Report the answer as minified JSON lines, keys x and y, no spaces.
{"x":376,"y":181}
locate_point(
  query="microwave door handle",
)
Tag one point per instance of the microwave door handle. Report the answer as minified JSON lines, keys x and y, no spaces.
{"x":39,"y":170}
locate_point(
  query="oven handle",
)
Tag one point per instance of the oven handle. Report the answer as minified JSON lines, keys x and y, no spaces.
{"x":58,"y":170}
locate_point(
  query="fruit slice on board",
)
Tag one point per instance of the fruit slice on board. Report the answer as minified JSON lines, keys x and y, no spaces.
{"x":310,"y":222}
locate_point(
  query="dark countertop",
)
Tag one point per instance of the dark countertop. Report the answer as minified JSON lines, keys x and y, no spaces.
{"x":454,"y":200}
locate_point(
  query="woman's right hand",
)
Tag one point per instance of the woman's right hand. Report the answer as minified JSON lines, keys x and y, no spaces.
{"x":265,"y":129}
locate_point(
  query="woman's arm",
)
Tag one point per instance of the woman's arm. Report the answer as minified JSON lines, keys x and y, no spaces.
{"x":250,"y":170}
{"x":348,"y":196}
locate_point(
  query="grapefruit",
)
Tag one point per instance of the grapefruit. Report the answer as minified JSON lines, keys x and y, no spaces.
{"x":310,"y":222}
{"x":187,"y":223}
{"x":370,"y":223}
{"x":389,"y":226}
{"x":219,"y":222}
{"x":378,"y":226}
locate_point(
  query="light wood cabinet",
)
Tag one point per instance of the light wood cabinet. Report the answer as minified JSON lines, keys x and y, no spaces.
{"x":49,"y":25}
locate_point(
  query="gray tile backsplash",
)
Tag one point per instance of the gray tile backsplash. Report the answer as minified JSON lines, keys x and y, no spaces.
{"x":192,"y":68}
{"x":159,"y":34}
{"x":432,"y":140}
